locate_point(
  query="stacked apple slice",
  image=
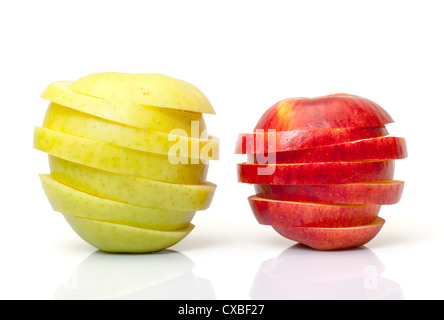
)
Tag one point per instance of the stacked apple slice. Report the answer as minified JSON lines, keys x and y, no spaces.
{"x":322,"y":167}
{"x":128,"y":156}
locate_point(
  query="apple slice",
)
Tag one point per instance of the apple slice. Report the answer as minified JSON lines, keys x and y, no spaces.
{"x":332,"y":238}
{"x":108,"y":157}
{"x":73,"y":202}
{"x":306,"y":214}
{"x":130,"y":189}
{"x":280,"y":141}
{"x":316,"y":173}
{"x":112,"y":237}
{"x":149,"y":89}
{"x":330,"y":111}
{"x":67,"y":120}
{"x":382,"y":148}
{"x":372,"y":192}
{"x":131,"y":114}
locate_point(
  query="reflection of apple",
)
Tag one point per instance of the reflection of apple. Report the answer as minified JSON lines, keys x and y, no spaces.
{"x":125,"y":172}
{"x":306,"y":214}
{"x":299,"y":273}
{"x":325,"y":238}
{"x":70,"y":121}
{"x":317,"y":173}
{"x":108,"y":157}
{"x":256,"y":142}
{"x":315,"y":162}
{"x":368,"y":149}
{"x":163,"y":275}
{"x":370,"y":192}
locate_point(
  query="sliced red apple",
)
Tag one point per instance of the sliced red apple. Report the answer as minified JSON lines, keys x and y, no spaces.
{"x":279,"y":141}
{"x":303,"y":214}
{"x":332,"y":238}
{"x":330,"y":111}
{"x":316,"y":173}
{"x":368,"y":149}
{"x":374,"y":192}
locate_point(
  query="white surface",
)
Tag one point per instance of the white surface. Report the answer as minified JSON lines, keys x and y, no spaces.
{"x":245,"y":56}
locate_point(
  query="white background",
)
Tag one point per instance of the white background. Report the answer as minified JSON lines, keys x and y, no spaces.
{"x":245,"y":56}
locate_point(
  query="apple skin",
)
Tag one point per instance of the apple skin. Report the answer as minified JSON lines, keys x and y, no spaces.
{"x":119,"y":238}
{"x":249,"y":143}
{"x":302,"y":214}
{"x":317,"y":173}
{"x":130,"y":189}
{"x":109,"y":157}
{"x":148,"y":89}
{"x":377,"y":192}
{"x":330,"y":111}
{"x":69,"y":201}
{"x":382,"y":148}
{"x":71,"y":121}
{"x":332,"y":238}
{"x":131,"y":114}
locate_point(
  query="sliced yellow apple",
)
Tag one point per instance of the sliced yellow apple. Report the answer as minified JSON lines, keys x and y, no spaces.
{"x":108,"y":157}
{"x":131,"y":114}
{"x":112,"y":237}
{"x":130,"y":189}
{"x":73,"y":202}
{"x":150,"y":89}
{"x":67,"y":120}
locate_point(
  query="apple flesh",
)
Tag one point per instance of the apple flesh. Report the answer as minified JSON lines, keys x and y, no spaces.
{"x":112,"y":237}
{"x":332,"y":238}
{"x":250,"y":143}
{"x":73,"y":202}
{"x":316,"y":173}
{"x":330,"y":111}
{"x":302,"y":214}
{"x":371,"y":192}
{"x":382,"y":148}
{"x":108,"y":157}
{"x":131,"y":114}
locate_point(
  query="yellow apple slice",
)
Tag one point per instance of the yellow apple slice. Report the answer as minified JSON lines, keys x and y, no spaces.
{"x":73,"y":202}
{"x":131,"y":114}
{"x":67,"y":120}
{"x":130,"y":189}
{"x":150,"y":89}
{"x":118,"y":238}
{"x":108,"y":157}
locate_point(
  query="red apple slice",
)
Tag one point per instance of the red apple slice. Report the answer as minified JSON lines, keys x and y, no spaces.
{"x":332,"y":238}
{"x":302,"y":214}
{"x":331,"y":111}
{"x":256,"y":142}
{"x":316,"y":173}
{"x":381,"y":148}
{"x":375,"y":192}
